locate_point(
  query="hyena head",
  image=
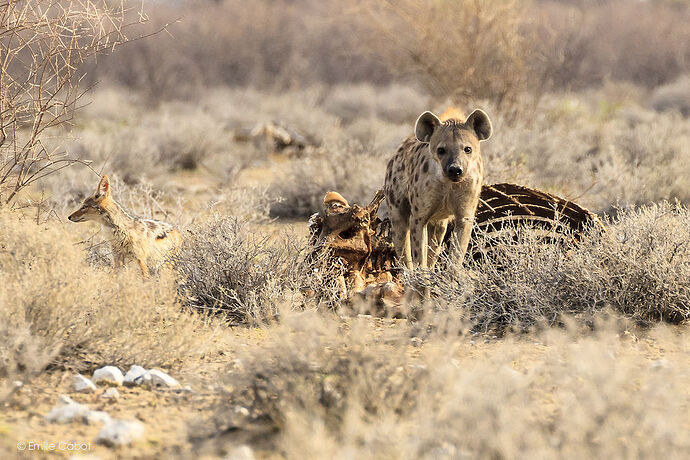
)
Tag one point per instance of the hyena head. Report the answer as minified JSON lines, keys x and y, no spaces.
{"x":93,"y":207}
{"x":454,"y":144}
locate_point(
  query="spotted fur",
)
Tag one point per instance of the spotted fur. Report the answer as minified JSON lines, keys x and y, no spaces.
{"x":436,"y":177}
{"x":149,"y":242}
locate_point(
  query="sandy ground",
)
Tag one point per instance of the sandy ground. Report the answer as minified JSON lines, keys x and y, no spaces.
{"x":170,"y":416}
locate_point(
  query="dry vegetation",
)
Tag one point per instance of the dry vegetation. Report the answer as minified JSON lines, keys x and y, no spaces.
{"x":540,"y":351}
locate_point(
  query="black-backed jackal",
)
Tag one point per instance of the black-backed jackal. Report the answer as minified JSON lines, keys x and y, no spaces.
{"x":149,"y":242}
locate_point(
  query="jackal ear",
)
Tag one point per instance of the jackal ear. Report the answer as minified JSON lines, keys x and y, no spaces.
{"x":425,"y":126}
{"x":480,"y":123}
{"x":103,"y":187}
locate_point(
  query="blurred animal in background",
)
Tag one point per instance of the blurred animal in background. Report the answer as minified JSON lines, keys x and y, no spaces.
{"x":276,"y":137}
{"x":150,"y":242}
{"x":435,"y":178}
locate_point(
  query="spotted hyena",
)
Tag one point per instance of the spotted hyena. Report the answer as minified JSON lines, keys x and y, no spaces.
{"x":436,"y":177}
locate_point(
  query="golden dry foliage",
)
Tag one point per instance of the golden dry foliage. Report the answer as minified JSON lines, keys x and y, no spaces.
{"x":42,"y":45}
{"x":56,"y":310}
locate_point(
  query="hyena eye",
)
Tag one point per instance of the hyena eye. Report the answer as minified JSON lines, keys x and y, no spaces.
{"x":468,"y":149}
{"x":440,"y":150}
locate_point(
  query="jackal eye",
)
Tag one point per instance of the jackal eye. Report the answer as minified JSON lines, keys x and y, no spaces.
{"x":468,"y":149}
{"x":440,"y":151}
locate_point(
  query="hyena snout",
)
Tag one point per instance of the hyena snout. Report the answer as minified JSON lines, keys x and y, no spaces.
{"x":454,"y":172}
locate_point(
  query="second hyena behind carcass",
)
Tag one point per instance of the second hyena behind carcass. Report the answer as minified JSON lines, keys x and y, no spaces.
{"x":435,"y":178}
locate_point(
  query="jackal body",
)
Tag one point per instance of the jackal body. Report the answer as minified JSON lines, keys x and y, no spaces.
{"x":149,"y":242}
{"x":436,"y":177}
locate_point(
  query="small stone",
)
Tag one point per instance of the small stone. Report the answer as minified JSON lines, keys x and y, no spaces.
{"x":240,"y":410}
{"x":120,"y":433}
{"x":108,"y":374}
{"x":97,"y":416}
{"x":64,"y":399}
{"x":416,"y":342}
{"x":82,"y":385}
{"x":17,"y":384}
{"x":134,"y":373}
{"x":660,"y":364}
{"x":161,"y":379}
{"x":144,"y":379}
{"x":243,"y":452}
{"x":66,"y":411}
{"x":111,"y":393}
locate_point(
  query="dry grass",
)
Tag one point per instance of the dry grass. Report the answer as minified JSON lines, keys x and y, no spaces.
{"x":634,"y":269}
{"x":592,"y":359}
{"x":317,"y":388}
{"x":58,"y":311}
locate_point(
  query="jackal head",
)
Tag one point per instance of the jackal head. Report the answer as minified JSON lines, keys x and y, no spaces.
{"x":454,"y":143}
{"x":93,"y":207}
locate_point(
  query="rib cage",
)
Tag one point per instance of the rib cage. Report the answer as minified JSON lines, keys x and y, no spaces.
{"x":502,"y":207}
{"x":503,"y":203}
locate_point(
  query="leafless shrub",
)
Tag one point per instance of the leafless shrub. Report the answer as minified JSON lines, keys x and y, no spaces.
{"x":633,"y":268}
{"x":350,"y":169}
{"x":226,"y":268}
{"x":463,"y":50}
{"x":394,"y":103}
{"x":586,"y":43}
{"x":290,"y":48}
{"x":43,"y":43}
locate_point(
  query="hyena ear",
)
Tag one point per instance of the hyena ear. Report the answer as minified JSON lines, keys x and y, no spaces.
{"x":103,"y":187}
{"x":480,"y":123}
{"x":425,"y":126}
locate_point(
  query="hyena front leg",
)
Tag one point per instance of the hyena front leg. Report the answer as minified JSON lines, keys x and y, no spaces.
{"x":437,"y":232}
{"x":463,"y":232}
{"x":420,"y":248}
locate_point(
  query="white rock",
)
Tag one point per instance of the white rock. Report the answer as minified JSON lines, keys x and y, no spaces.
{"x":243,"y":411}
{"x":111,"y":393}
{"x":97,"y":416}
{"x":108,"y":374}
{"x":66,"y":411}
{"x":82,"y":385}
{"x":134,"y":373}
{"x":161,"y":379}
{"x":120,"y":432}
{"x":64,"y":399}
{"x":144,"y":379}
{"x":243,"y":452}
